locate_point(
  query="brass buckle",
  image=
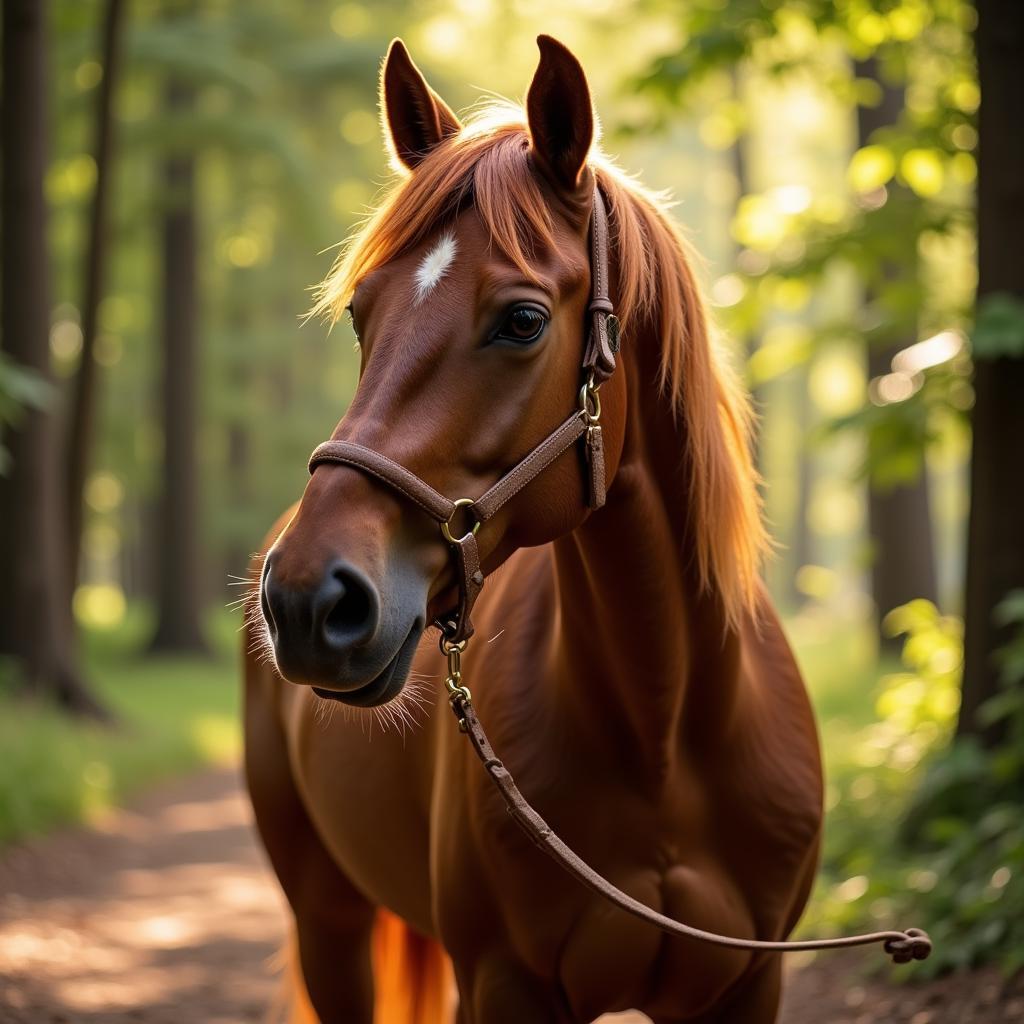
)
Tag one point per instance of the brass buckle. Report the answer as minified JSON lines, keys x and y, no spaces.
{"x":446,"y":526}
{"x":590,"y":401}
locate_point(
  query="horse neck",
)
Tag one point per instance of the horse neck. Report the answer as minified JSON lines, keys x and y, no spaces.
{"x":649,"y":661}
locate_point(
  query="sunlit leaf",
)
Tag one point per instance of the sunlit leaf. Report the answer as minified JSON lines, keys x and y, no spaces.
{"x":923,"y":171}
{"x":870,"y":168}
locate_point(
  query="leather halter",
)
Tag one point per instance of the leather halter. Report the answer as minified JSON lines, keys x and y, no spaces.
{"x":456,"y":628}
{"x":598,"y":365}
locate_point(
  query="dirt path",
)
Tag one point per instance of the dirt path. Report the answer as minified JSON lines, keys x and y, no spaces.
{"x":166,"y":913}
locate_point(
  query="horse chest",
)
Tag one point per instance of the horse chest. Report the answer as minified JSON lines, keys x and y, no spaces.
{"x":507,"y":902}
{"x":529,"y":916}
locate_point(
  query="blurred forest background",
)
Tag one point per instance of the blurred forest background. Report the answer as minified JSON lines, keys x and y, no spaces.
{"x":175,"y":176}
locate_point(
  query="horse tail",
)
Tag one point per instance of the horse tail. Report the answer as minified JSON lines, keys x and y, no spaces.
{"x":411,"y":978}
{"x":411,"y":975}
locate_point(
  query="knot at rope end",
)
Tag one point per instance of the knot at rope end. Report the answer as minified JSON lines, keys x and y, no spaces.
{"x":915,"y":945}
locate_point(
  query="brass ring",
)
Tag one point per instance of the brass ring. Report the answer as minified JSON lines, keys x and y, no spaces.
{"x":446,"y":525}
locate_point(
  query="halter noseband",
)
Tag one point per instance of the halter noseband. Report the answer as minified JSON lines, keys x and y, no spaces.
{"x":598,"y":365}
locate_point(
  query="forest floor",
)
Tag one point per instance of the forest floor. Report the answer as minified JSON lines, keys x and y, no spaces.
{"x":166,"y":912}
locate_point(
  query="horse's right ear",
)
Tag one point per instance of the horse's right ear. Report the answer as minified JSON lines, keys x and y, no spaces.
{"x":560,"y":115}
{"x":416,"y":119}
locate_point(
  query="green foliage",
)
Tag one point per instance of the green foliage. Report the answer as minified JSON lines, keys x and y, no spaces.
{"x":173,"y":715}
{"x":782,"y":37}
{"x":907,"y":206}
{"x":20,"y":389}
{"x":954,"y":862}
{"x":187,"y":48}
{"x":999,"y":327}
{"x":966,"y":819}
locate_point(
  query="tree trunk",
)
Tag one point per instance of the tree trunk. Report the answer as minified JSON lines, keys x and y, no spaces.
{"x":900,"y":523}
{"x":995,"y":551}
{"x":899,"y":518}
{"x":237,"y":553}
{"x":34,"y":568}
{"x":179,"y":589}
{"x":83,"y":402}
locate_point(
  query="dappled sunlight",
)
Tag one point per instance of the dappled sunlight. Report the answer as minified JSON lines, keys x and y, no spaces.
{"x":156,"y":909}
{"x":151,"y":917}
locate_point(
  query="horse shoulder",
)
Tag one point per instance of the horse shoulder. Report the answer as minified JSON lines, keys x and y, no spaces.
{"x":767,"y":789}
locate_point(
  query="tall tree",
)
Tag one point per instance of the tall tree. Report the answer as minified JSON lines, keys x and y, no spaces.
{"x":34,"y":553}
{"x":179,"y":587}
{"x":83,"y":402}
{"x":899,"y":517}
{"x":995,"y":549}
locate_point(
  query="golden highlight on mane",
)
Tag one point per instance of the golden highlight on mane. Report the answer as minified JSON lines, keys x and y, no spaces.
{"x":487,"y":164}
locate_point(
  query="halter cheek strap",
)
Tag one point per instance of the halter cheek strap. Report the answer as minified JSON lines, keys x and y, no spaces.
{"x":598,"y":364}
{"x":603,"y":339}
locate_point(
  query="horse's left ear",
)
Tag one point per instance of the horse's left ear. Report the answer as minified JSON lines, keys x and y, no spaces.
{"x":560,"y":115}
{"x":416,"y":118}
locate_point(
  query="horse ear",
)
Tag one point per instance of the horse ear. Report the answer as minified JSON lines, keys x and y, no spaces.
{"x":416,"y":118}
{"x":560,"y":115}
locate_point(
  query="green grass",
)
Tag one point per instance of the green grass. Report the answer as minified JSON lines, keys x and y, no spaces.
{"x":173,"y":715}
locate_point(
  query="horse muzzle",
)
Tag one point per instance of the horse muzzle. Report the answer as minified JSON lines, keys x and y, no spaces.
{"x":340,"y":636}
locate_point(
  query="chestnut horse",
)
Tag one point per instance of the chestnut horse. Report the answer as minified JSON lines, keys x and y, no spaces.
{"x":629,"y":666}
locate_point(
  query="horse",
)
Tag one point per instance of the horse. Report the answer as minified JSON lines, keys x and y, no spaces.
{"x":629,"y":664}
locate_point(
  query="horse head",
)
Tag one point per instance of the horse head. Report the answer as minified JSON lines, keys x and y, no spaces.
{"x":468,"y":292}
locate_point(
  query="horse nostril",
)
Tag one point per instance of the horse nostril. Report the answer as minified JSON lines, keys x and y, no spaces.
{"x":348,"y":607}
{"x":351,"y":609}
{"x":269,"y":597}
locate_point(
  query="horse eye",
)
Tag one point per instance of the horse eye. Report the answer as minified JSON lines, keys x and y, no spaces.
{"x":352,"y":323}
{"x":522,"y":325}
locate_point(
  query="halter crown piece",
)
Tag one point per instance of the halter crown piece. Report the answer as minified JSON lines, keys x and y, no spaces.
{"x":456,"y":628}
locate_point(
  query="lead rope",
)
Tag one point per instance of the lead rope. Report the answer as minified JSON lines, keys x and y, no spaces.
{"x":902,"y":946}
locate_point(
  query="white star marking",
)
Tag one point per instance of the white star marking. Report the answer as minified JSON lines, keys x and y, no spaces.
{"x":433,"y":266}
